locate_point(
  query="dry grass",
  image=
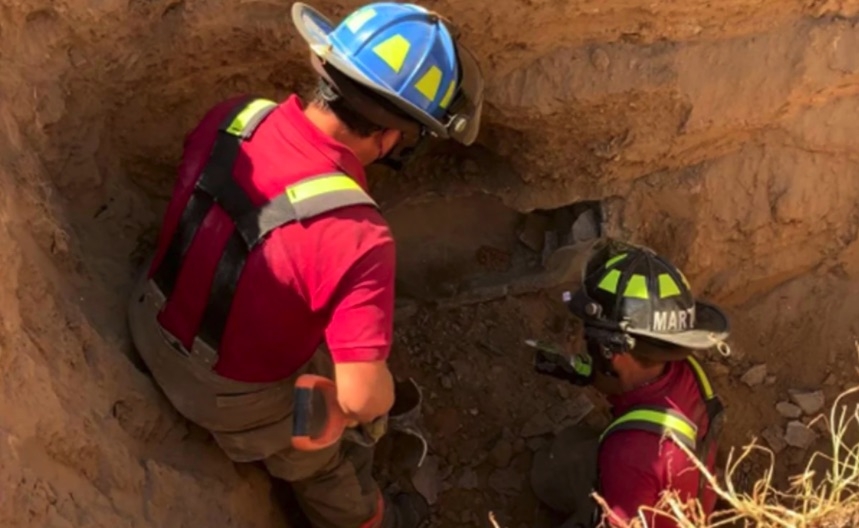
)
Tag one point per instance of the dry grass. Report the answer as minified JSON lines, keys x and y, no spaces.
{"x":811,"y":500}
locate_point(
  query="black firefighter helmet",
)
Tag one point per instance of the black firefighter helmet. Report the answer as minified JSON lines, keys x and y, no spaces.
{"x":630,"y":290}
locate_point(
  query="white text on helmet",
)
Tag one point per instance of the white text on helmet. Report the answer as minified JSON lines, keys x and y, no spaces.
{"x":674,"y":320}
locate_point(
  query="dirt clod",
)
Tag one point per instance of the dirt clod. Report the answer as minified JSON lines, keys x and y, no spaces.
{"x":799,"y":435}
{"x":506,"y":481}
{"x":722,"y":134}
{"x":427,"y":479}
{"x":811,"y":402}
{"x":755,"y":375}
{"x":501,"y":453}
{"x":788,"y":410}
{"x":468,"y":480}
{"x":775,"y":438}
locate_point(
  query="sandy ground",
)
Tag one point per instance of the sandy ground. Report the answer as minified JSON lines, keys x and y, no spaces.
{"x":722,"y":134}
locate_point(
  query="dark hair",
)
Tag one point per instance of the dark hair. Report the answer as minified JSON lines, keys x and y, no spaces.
{"x":346,"y":114}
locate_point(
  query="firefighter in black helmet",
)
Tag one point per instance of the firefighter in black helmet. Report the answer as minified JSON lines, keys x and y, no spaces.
{"x":641,"y":324}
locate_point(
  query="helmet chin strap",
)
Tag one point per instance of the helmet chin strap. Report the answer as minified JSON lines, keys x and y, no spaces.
{"x":603,"y":344}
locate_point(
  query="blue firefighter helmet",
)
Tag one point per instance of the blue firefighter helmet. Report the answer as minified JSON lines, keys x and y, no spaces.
{"x":406,"y":54}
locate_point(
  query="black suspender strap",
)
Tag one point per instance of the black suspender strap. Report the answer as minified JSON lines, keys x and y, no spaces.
{"x":303,"y":200}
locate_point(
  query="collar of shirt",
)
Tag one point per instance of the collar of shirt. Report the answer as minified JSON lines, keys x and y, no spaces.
{"x":649,"y":393}
{"x":310,"y":137}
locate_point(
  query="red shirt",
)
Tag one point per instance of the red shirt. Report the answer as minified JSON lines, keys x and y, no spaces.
{"x":329,"y":278}
{"x":636,"y":466}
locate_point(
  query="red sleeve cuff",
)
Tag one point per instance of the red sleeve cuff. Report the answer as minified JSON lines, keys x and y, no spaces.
{"x":355,"y":355}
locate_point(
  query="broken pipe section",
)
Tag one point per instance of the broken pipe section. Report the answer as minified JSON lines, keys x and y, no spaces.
{"x":560,"y":239}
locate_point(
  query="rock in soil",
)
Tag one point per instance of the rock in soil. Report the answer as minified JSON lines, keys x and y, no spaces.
{"x":798,"y":435}
{"x":811,"y":402}
{"x":538,"y":425}
{"x":774,"y":438}
{"x":537,"y":443}
{"x":427,"y":480}
{"x":788,"y":410}
{"x":506,"y":481}
{"x":501,"y":454}
{"x":468,"y":480}
{"x":755,"y":375}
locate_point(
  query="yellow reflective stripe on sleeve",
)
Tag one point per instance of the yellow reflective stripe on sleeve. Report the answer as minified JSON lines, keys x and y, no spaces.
{"x":448,"y":95}
{"x":664,"y":420}
{"x":429,"y":84}
{"x":702,"y":377}
{"x":667,"y":286}
{"x":312,"y":188}
{"x":358,"y":18}
{"x":614,"y":260}
{"x":240,"y":122}
{"x":393,"y":51}
{"x":609,"y":282}
{"x":636,"y":287}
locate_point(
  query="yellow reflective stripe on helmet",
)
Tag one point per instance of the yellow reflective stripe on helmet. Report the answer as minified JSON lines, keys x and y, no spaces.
{"x":636,"y":287}
{"x":702,"y":378}
{"x":667,"y":286}
{"x":393,"y":51}
{"x":614,"y":260}
{"x":448,"y":95}
{"x":658,"y":418}
{"x":358,"y":18}
{"x":429,"y":84}
{"x":240,"y":122}
{"x":312,"y":188}
{"x":609,"y":282}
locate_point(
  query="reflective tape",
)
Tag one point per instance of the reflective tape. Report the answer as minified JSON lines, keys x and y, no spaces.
{"x":358,"y":18}
{"x":703,"y":381}
{"x":667,"y":286}
{"x":318,"y":186}
{"x":609,"y":282}
{"x":241,"y":121}
{"x":614,"y":260}
{"x":448,"y":95}
{"x":636,"y":287}
{"x":430,"y":83}
{"x":656,"y":421}
{"x":394,"y":52}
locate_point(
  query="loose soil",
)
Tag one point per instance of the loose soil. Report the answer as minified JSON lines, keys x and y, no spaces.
{"x":721,"y":134}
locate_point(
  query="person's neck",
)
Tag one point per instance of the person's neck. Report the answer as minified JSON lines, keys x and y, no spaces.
{"x":329,"y":125}
{"x":640,"y":377}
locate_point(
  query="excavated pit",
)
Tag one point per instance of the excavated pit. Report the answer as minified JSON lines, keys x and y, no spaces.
{"x":722,"y":134}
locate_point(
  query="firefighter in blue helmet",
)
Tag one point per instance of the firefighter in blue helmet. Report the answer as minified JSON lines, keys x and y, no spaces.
{"x":271,"y":247}
{"x":399,"y":67}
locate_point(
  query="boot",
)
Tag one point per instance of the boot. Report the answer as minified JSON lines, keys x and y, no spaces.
{"x":405,"y":510}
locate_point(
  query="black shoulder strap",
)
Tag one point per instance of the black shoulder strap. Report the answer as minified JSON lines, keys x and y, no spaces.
{"x":303,"y":200}
{"x":215,"y":180}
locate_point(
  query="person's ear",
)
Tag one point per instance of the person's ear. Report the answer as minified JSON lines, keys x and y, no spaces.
{"x":388,"y":139}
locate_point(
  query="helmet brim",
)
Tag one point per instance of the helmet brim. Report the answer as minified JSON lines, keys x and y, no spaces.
{"x":711,"y":329}
{"x":315,"y":29}
{"x":711,"y":324}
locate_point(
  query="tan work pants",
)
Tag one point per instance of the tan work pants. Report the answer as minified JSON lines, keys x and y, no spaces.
{"x":253,"y":421}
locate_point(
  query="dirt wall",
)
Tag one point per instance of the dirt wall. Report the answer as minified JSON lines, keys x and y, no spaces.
{"x":723,"y":133}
